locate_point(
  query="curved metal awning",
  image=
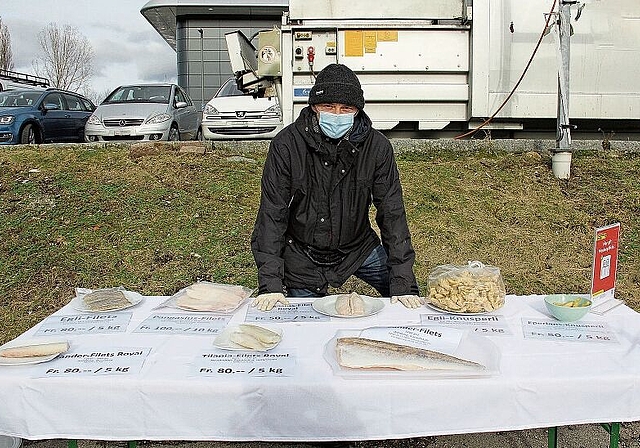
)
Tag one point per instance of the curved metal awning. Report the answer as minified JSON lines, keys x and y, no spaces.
{"x":163,"y":14}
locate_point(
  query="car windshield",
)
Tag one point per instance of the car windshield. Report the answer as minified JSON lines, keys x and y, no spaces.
{"x":229,"y":88}
{"x":139,"y":94}
{"x":18,"y":99}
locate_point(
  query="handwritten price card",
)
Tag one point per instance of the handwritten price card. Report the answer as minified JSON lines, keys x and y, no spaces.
{"x":84,"y":324}
{"x":242,"y":364}
{"x":553,"y":330}
{"x":99,"y":362}
{"x":183,"y":323}
{"x":294,"y":312}
{"x":494,"y":325}
{"x":605,"y":261}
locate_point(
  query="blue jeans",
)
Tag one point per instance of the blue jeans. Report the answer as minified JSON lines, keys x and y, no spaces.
{"x":373,"y":271}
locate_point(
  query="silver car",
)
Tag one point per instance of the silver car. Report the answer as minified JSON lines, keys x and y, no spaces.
{"x":145,"y":112}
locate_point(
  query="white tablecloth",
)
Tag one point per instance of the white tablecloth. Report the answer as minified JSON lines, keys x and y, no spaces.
{"x":541,"y":383}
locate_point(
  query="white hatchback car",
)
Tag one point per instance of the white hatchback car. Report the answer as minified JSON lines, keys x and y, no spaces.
{"x":232,"y":114}
{"x":145,"y":112}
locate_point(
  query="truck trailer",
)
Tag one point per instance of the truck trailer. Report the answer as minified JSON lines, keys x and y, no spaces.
{"x":441,"y":67}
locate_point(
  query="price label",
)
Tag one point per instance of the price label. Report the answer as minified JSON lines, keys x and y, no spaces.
{"x":552,"y":330}
{"x":294,"y":312}
{"x":113,"y":361}
{"x":488,"y":325}
{"x":183,"y":323}
{"x":442,"y":339}
{"x":84,"y":324}
{"x":243,"y":364}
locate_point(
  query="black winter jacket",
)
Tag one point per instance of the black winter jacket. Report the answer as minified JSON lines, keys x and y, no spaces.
{"x":316,"y":195}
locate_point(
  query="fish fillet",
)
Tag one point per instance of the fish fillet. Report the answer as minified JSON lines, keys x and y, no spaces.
{"x":363,"y":353}
{"x":209,"y":297}
{"x":30,"y":351}
{"x":264,"y":335}
{"x":350,"y":305}
{"x":254,"y":337}
{"x":106,"y":300}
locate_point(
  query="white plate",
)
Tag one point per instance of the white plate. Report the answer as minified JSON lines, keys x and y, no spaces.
{"x":134,"y":298}
{"x":442,"y":310}
{"x":223,"y":340}
{"x":31,"y":359}
{"x":10,"y":442}
{"x":472,"y":347}
{"x":327,"y":305}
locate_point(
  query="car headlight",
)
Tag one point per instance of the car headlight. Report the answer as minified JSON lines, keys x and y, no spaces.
{"x":210,"y":110}
{"x":158,"y":118}
{"x":7,"y":119}
{"x":273,"y":110}
{"x":94,"y":119}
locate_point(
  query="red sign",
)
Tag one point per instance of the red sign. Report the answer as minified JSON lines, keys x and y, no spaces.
{"x":605,"y":260}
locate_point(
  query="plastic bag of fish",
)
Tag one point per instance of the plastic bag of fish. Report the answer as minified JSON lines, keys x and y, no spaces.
{"x":475,"y":288}
{"x":364,"y":353}
{"x":208,"y":296}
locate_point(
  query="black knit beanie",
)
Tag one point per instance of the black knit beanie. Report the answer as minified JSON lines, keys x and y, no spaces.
{"x":336,"y":83}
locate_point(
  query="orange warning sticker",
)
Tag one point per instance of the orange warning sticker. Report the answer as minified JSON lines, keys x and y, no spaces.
{"x":388,"y":36}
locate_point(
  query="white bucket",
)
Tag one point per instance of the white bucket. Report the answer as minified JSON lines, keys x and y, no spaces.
{"x":10,"y":442}
{"x":561,"y":164}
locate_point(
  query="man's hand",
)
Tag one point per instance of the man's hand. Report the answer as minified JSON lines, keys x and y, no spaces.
{"x":266,"y":302}
{"x":410,"y":301}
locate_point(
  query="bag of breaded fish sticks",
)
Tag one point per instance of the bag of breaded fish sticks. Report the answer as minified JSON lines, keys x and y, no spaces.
{"x":474,"y":288}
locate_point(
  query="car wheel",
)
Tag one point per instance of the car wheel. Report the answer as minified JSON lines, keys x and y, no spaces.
{"x":28,"y":136}
{"x":174,"y":134}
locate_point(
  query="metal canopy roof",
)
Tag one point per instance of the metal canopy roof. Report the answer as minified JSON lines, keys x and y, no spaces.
{"x":163,"y":14}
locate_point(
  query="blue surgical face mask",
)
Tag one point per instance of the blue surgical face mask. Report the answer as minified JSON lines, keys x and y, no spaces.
{"x":335,"y":125}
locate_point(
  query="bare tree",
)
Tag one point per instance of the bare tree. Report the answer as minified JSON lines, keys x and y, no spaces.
{"x":6,"y":55}
{"x":97,"y":96}
{"x":67,"y":58}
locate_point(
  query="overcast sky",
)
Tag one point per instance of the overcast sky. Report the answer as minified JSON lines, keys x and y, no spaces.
{"x":127,"y":49}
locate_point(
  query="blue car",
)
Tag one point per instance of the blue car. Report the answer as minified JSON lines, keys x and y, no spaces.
{"x":32,"y":116}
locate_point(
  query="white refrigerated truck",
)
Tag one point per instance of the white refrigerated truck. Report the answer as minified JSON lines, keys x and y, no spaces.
{"x":441,"y":67}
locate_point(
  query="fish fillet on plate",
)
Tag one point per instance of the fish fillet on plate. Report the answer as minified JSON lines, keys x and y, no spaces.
{"x":347,"y":305}
{"x":248,"y":337}
{"x":19,"y":352}
{"x":363,"y":353}
{"x":104,"y":299}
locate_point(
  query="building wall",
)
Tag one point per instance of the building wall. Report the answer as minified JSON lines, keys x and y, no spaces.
{"x":210,"y":52}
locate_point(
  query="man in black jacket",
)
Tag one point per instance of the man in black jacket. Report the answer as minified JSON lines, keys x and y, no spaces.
{"x":320,"y":178}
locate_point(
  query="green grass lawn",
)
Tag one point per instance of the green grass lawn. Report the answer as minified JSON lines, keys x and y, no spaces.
{"x":81,"y":216}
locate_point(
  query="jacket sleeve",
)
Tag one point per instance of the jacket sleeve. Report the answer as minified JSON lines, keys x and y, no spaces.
{"x":267,"y":239}
{"x":392,"y":222}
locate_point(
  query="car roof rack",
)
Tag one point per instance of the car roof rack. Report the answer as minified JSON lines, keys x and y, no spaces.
{"x":24,"y":78}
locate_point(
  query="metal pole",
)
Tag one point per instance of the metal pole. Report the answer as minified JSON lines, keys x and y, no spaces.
{"x":201,"y":31}
{"x":561,"y":161}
